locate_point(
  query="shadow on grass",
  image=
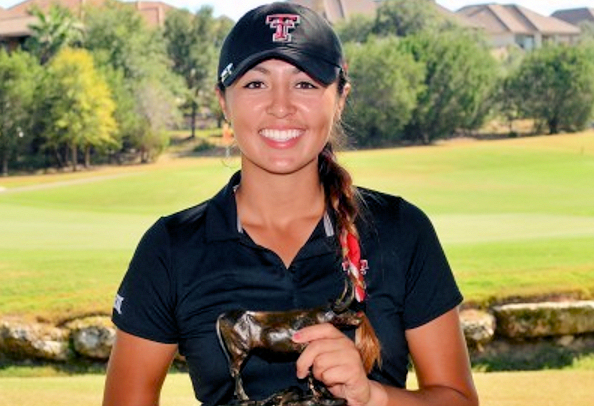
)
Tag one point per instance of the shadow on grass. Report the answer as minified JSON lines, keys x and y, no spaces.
{"x":534,"y":356}
{"x":11,"y":367}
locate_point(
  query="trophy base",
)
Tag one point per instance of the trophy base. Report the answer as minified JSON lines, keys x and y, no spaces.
{"x":292,"y":397}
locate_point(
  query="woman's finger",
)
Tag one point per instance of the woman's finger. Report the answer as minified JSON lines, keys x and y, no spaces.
{"x":324,"y":353}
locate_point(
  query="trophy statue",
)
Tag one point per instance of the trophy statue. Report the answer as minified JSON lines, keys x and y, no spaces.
{"x":240,"y":332}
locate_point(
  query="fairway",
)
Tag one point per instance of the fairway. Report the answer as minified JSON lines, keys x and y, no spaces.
{"x":541,"y":388}
{"x":516,"y":217}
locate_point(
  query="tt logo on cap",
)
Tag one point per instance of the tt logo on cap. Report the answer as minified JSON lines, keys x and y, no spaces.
{"x":282,"y":23}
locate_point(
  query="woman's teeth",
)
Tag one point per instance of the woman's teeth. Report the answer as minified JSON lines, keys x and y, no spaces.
{"x":281,"y":135}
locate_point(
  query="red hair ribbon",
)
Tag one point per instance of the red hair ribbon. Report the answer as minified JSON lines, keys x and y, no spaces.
{"x":353,"y":264}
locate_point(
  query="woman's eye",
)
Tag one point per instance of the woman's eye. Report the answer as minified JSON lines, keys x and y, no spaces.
{"x":306,"y":85}
{"x":254,"y":84}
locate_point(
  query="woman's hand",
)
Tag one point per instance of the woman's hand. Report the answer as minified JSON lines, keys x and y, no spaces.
{"x":334,"y":361}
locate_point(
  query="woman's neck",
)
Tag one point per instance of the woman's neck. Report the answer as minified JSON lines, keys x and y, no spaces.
{"x":278,"y":200}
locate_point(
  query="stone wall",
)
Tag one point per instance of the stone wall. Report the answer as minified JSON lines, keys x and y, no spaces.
{"x":500,"y":330}
{"x":90,"y":338}
{"x":525,"y":321}
{"x":529,"y":336}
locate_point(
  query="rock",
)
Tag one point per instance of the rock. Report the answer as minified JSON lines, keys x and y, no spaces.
{"x":92,"y":337}
{"x":565,"y":341}
{"x":527,"y":320}
{"x":35,"y":340}
{"x":478,"y":327}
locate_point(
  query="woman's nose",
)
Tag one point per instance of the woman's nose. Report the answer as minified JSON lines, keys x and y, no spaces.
{"x":281,"y":104}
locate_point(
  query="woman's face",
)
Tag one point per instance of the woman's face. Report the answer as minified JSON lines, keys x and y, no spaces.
{"x":281,"y":117}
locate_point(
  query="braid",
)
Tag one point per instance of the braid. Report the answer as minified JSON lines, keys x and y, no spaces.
{"x":339,"y":190}
{"x":344,"y":200}
{"x":337,"y":181}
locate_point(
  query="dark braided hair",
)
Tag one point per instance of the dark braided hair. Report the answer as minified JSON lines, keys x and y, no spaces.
{"x":344,"y":199}
{"x":341,"y":196}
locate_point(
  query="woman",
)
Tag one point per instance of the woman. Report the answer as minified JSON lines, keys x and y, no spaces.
{"x":276,"y":238}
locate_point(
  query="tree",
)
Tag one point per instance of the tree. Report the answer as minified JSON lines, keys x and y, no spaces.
{"x":192,"y":50}
{"x":127,"y":43}
{"x":586,"y":31}
{"x":503,"y":105}
{"x":53,"y":31}
{"x":459,"y":71}
{"x":357,"y":28}
{"x":157,"y":110}
{"x":81,"y":115}
{"x":193,"y":42}
{"x":555,"y":86}
{"x":404,"y":17}
{"x":396,"y":17}
{"x":18,"y":73}
{"x":131,"y":57}
{"x":460,"y":75}
{"x":382,"y":99}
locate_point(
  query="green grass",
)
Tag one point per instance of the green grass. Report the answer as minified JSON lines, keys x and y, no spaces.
{"x":516,"y":217}
{"x":536,"y":267}
{"x":541,"y":388}
{"x":82,"y":390}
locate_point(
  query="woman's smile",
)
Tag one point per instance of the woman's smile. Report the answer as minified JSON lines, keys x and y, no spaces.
{"x":281,"y":135}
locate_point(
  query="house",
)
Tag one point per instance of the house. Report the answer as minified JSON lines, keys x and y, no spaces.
{"x":510,"y":24}
{"x":153,"y":12}
{"x":15,"y":21}
{"x":459,"y":18}
{"x":576,"y":15}
{"x":14,"y":31}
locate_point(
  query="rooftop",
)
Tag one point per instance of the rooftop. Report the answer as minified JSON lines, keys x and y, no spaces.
{"x":497,"y":18}
{"x":576,"y":15}
{"x":16,"y":19}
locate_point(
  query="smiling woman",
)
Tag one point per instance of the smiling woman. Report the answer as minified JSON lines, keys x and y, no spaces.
{"x":288,"y":232}
{"x":281,"y":117}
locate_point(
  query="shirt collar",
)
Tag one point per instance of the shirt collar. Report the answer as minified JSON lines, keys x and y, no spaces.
{"x":221,"y":213}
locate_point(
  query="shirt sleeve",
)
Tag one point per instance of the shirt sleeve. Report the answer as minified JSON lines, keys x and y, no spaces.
{"x":145,"y":302}
{"x":431,"y":289}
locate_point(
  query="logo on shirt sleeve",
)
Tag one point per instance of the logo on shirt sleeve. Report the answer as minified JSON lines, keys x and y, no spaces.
{"x":117,"y":304}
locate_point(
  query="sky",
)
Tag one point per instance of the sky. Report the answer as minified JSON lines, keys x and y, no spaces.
{"x":236,"y":8}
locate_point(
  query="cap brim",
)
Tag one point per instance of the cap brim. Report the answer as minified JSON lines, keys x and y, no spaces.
{"x":320,"y":70}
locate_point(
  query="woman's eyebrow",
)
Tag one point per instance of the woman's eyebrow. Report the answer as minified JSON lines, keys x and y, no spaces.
{"x":262,"y":69}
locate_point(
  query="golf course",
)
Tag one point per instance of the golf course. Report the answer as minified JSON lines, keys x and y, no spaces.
{"x":515,"y":216}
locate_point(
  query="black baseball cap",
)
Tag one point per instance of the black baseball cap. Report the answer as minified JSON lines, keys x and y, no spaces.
{"x":284,"y":31}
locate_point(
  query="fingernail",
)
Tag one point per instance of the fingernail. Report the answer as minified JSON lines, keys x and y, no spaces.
{"x":296,"y":336}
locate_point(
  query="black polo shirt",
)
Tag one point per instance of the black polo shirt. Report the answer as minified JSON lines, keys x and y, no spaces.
{"x":194,"y":265}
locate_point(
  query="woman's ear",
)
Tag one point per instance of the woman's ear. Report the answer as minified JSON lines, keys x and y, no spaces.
{"x":342,"y":100}
{"x":222,"y":102}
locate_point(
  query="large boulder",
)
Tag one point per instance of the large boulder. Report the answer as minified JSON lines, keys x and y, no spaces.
{"x":92,"y":337}
{"x":478,"y":327}
{"x":529,"y":320}
{"x":33,"y":340}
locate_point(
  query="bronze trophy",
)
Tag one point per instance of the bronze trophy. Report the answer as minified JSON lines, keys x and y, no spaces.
{"x":241,"y":331}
